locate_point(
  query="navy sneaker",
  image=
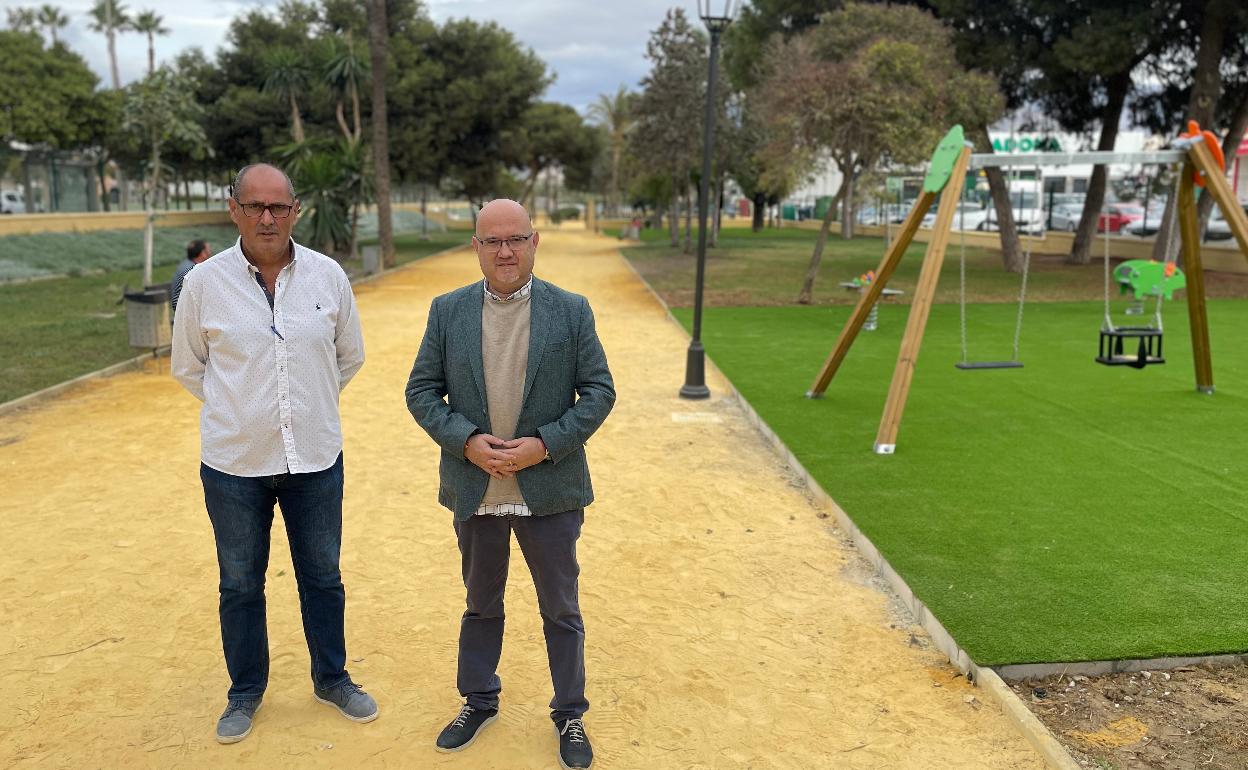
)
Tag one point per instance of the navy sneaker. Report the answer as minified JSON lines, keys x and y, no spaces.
{"x":465,"y":728}
{"x":575,"y":752}
{"x":352,"y":702}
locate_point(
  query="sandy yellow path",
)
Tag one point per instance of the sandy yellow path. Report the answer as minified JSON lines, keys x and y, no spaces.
{"x":727,"y":626}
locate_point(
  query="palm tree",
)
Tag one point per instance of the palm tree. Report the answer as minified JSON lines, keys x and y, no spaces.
{"x":148,"y":23}
{"x":23,"y":19}
{"x":109,"y":17}
{"x":344,"y":72}
{"x":377,"y":32}
{"x":615,"y":114}
{"x":51,"y":18}
{"x":288,"y":79}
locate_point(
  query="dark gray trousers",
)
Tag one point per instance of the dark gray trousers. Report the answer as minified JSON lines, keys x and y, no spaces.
{"x":549,"y":547}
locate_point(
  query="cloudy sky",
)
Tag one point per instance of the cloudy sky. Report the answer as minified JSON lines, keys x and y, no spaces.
{"x":593,"y":46}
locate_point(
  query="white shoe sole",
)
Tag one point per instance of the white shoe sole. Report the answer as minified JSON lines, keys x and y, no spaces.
{"x":228,"y":739}
{"x":471,"y":740}
{"x":361,"y":720}
{"x":558,"y":735}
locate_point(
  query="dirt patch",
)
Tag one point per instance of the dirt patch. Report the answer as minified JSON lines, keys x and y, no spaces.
{"x":1190,"y":717}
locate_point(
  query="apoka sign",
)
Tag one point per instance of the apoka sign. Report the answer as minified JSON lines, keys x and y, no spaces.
{"x":1027,"y":144}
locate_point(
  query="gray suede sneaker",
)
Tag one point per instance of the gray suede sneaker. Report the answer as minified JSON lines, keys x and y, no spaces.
{"x":235,"y":722}
{"x":352,"y":702}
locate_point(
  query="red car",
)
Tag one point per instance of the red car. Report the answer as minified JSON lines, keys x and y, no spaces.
{"x":1117,"y":216}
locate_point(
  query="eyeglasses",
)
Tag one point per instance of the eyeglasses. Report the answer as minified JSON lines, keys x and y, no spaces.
{"x":516,"y":242}
{"x":278,"y":210}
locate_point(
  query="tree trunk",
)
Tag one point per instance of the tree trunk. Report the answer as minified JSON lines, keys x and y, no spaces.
{"x":296,"y":123}
{"x":616,"y":153}
{"x":758,"y":206}
{"x":673,"y":224}
{"x":424,"y":211}
{"x":718,"y":197}
{"x":1206,"y":88}
{"x":1011,"y":252}
{"x":357,"y":129}
{"x":341,"y":117}
{"x":151,"y":54}
{"x":1117,"y":88}
{"x":105,"y":198}
{"x":812,"y":271}
{"x":377,"y":32}
{"x":112,"y":58}
{"x":148,"y":235}
{"x":847,"y":205}
{"x":688,"y":215}
{"x":529,"y":188}
{"x":355,"y":228}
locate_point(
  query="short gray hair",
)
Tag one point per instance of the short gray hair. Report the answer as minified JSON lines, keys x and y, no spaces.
{"x":242,"y":172}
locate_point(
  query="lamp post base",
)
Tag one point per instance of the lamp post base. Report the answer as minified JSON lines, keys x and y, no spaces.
{"x":695,"y":373}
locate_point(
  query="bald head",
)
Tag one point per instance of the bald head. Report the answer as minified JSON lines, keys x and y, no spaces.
{"x":502,"y":210}
{"x":506,"y":245}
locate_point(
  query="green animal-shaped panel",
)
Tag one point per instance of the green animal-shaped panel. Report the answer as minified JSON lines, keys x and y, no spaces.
{"x":941,"y":167}
{"x":1146,"y":278}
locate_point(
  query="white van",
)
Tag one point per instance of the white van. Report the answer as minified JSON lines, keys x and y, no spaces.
{"x":12,"y":202}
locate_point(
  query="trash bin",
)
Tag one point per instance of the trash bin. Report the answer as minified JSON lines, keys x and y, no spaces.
{"x":372,"y":258}
{"x":147,"y":317}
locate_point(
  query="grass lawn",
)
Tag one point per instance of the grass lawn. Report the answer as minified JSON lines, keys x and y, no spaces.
{"x":60,"y":328}
{"x":1064,"y":511}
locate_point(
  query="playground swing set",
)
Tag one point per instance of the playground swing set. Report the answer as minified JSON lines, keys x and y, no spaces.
{"x":1202,"y":165}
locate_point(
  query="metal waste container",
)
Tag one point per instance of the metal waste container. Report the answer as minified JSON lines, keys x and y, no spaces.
{"x":147,"y":317}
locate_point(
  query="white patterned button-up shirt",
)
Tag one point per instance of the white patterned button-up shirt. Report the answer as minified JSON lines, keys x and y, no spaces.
{"x":269,"y":376}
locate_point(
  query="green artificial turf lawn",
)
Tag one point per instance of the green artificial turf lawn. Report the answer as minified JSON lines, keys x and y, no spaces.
{"x":1063,"y":511}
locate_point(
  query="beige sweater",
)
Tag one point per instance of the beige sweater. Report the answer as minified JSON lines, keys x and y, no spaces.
{"x":505,"y":356}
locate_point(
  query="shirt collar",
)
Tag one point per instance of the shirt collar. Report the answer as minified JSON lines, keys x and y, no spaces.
{"x":520,"y":293}
{"x":238,"y":249}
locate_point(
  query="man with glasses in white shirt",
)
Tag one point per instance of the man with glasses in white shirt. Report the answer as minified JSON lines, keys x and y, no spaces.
{"x":267,"y":335}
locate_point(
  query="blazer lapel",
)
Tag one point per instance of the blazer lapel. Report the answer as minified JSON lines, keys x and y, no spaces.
{"x":472,"y":337}
{"x":538,"y":313}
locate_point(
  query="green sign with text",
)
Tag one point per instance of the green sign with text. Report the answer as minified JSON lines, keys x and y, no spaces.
{"x":1027,"y":144}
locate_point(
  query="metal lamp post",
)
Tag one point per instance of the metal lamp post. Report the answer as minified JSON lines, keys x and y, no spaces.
{"x":695,"y":362}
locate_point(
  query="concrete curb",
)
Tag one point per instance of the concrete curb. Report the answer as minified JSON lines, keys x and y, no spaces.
{"x":1017,"y":671}
{"x":39,"y":396}
{"x":1039,"y":736}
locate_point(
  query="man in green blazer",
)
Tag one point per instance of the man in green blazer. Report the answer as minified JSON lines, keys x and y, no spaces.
{"x":511,"y":381}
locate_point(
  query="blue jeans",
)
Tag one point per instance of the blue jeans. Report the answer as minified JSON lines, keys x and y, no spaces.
{"x":241,"y":510}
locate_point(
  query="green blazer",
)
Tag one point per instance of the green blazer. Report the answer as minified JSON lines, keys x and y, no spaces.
{"x":568,"y":393}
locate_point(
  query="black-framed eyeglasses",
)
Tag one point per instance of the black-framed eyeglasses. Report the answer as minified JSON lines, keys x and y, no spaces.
{"x":278,"y":210}
{"x":516,"y":242}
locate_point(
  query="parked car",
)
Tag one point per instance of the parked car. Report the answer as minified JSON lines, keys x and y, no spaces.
{"x":1219,"y":229}
{"x":11,"y":202}
{"x":1116,"y":216}
{"x":1066,"y":216}
{"x":967,"y":216}
{"x":1150,"y":223}
{"x":1071,"y":199}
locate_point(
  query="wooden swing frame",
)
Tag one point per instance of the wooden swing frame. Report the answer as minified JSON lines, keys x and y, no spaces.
{"x":1194,"y":154}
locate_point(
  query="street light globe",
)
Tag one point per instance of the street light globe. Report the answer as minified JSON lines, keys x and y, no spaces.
{"x":711,"y":15}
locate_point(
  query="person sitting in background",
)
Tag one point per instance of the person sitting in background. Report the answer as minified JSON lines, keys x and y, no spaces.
{"x":196,"y":251}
